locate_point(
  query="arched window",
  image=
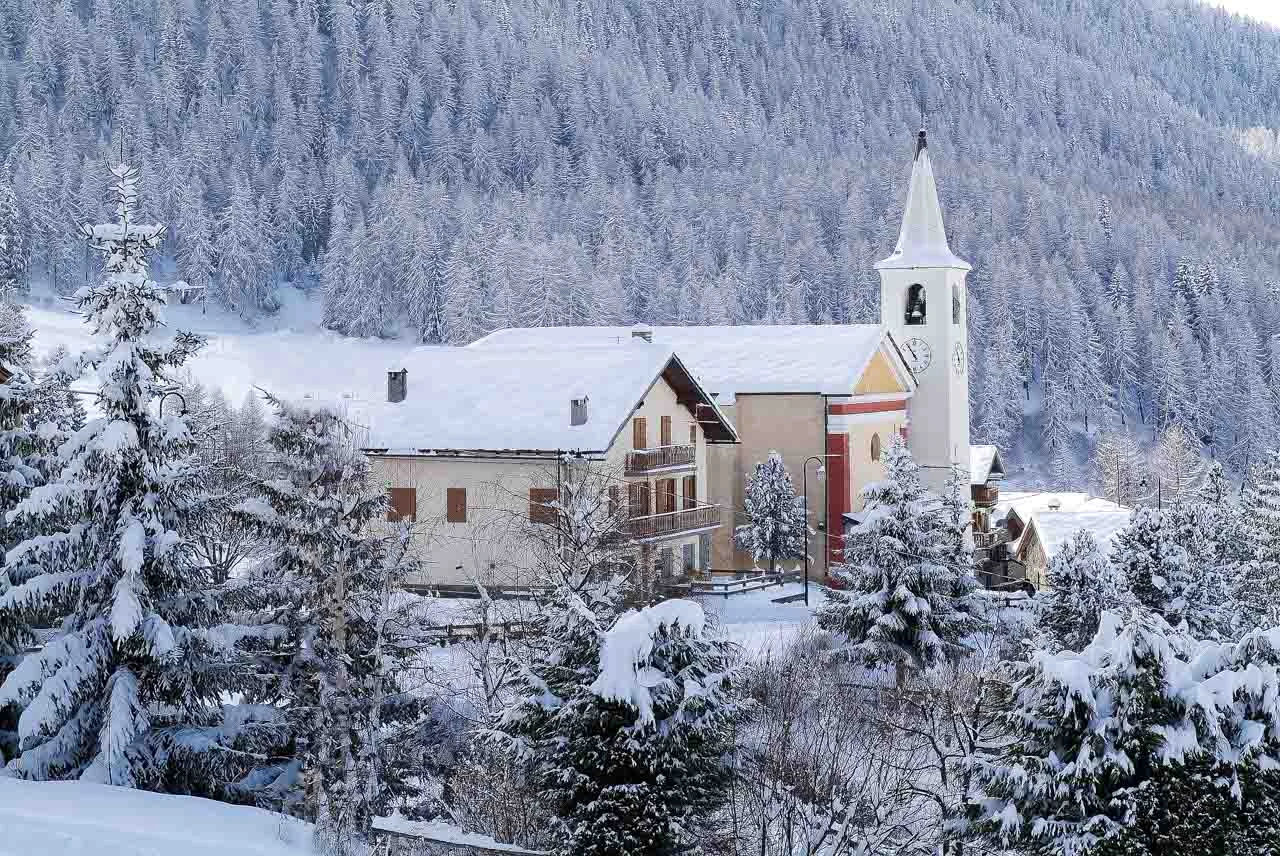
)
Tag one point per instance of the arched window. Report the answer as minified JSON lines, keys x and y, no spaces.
{"x":955,"y":305}
{"x":915,"y":304}
{"x":875,"y":447}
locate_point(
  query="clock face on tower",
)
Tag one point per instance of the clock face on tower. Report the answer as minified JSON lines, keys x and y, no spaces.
{"x":918,"y":353}
{"x":957,"y":358}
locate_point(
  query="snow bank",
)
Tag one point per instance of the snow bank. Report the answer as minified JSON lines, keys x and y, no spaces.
{"x":77,"y":819}
{"x":628,"y":645}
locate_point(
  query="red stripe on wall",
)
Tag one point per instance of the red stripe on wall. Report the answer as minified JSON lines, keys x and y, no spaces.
{"x":866,"y":407}
{"x":837,"y":495}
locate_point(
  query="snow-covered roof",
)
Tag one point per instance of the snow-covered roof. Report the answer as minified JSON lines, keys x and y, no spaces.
{"x":728,"y":361}
{"x":515,"y":399}
{"x":1031,"y":505}
{"x":984,"y":464}
{"x":922,"y":242}
{"x":1056,"y":528}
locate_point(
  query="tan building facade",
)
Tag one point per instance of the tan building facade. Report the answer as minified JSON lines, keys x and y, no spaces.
{"x":471,"y":507}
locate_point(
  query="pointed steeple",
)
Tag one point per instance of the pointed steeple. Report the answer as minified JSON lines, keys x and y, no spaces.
{"x":922,"y":243}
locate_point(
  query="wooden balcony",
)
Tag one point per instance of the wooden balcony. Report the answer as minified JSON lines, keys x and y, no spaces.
{"x":985,"y":495}
{"x":642,"y":462}
{"x":673,"y":523}
{"x":987,"y":540}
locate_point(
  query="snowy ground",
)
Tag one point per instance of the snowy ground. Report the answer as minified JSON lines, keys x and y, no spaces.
{"x":74,"y":819}
{"x":757,"y":622}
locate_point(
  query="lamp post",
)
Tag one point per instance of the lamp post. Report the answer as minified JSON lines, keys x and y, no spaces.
{"x":804,"y":482}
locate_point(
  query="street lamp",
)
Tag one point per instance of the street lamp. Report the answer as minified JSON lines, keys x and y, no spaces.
{"x":804,"y":483}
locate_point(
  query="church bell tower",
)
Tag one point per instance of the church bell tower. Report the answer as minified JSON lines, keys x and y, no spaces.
{"x":923,"y":304}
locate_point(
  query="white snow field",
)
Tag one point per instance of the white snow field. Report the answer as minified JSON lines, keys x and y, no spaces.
{"x":75,"y":819}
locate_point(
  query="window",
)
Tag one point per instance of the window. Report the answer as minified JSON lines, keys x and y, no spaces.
{"x":666,"y":496}
{"x":639,"y":433}
{"x":693,"y":433}
{"x":690,"y":559}
{"x":455,"y":505}
{"x":403,"y":504}
{"x":666,"y":562}
{"x":542,"y":505}
{"x":665,"y":431}
{"x":875,"y":447}
{"x":955,"y":304}
{"x":615,"y":500}
{"x":638,"y":500}
{"x":690,"y":491}
{"x":915,"y":304}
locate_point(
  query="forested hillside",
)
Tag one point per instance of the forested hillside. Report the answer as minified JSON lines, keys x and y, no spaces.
{"x":436,"y":169}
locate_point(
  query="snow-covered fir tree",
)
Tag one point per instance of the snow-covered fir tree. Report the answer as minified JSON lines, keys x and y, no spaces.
{"x":1164,"y":742}
{"x":13,"y":249}
{"x":129,"y":660}
{"x":1154,"y":566}
{"x":320,"y":649}
{"x":622,"y":720}
{"x":776,"y":529}
{"x":1081,"y":586}
{"x":1257,"y":575}
{"x":906,"y":595}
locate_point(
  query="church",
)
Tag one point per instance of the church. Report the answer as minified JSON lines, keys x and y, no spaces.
{"x":829,"y":398}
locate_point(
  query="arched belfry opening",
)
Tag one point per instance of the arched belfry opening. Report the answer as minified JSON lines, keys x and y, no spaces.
{"x":955,"y":305}
{"x":915,"y":304}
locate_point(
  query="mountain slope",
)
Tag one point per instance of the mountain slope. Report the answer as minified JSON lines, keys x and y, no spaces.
{"x":435,"y":170}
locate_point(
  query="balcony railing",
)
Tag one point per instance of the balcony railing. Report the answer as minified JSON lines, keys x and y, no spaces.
{"x":644,"y":461}
{"x":986,"y":540}
{"x":673,"y":522}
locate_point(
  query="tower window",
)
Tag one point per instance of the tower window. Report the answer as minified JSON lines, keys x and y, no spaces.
{"x":955,"y":305}
{"x":915,"y":304}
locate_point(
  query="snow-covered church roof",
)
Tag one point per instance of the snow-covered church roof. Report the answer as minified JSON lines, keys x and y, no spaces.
{"x":814,"y":358}
{"x":922,"y":242}
{"x":518,"y":399}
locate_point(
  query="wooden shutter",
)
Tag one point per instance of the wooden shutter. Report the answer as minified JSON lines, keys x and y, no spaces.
{"x":690,"y":491}
{"x":403,"y":505}
{"x":639,"y":433}
{"x":666,"y":496}
{"x":456,"y":505}
{"x":541,"y":505}
{"x":638,"y":499}
{"x":665,"y":430}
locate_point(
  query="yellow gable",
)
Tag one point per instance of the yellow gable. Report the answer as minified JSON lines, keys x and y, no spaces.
{"x":878,"y":377}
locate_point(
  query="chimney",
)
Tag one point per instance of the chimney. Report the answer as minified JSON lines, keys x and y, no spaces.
{"x":397,"y":386}
{"x":578,"y":410}
{"x":642,"y":331}
{"x":1055,"y":504}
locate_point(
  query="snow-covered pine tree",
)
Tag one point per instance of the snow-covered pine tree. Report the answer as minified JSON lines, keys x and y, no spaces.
{"x":1117,"y":467}
{"x":1178,"y":464}
{"x":1257,"y":577}
{"x":1144,"y":742}
{"x":320,"y":648}
{"x":776,"y":530}
{"x":906,"y":602}
{"x":1154,"y":565}
{"x":1081,"y":586}
{"x":13,"y":250}
{"x":624,"y":725}
{"x":129,"y":658}
{"x":23,"y":453}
